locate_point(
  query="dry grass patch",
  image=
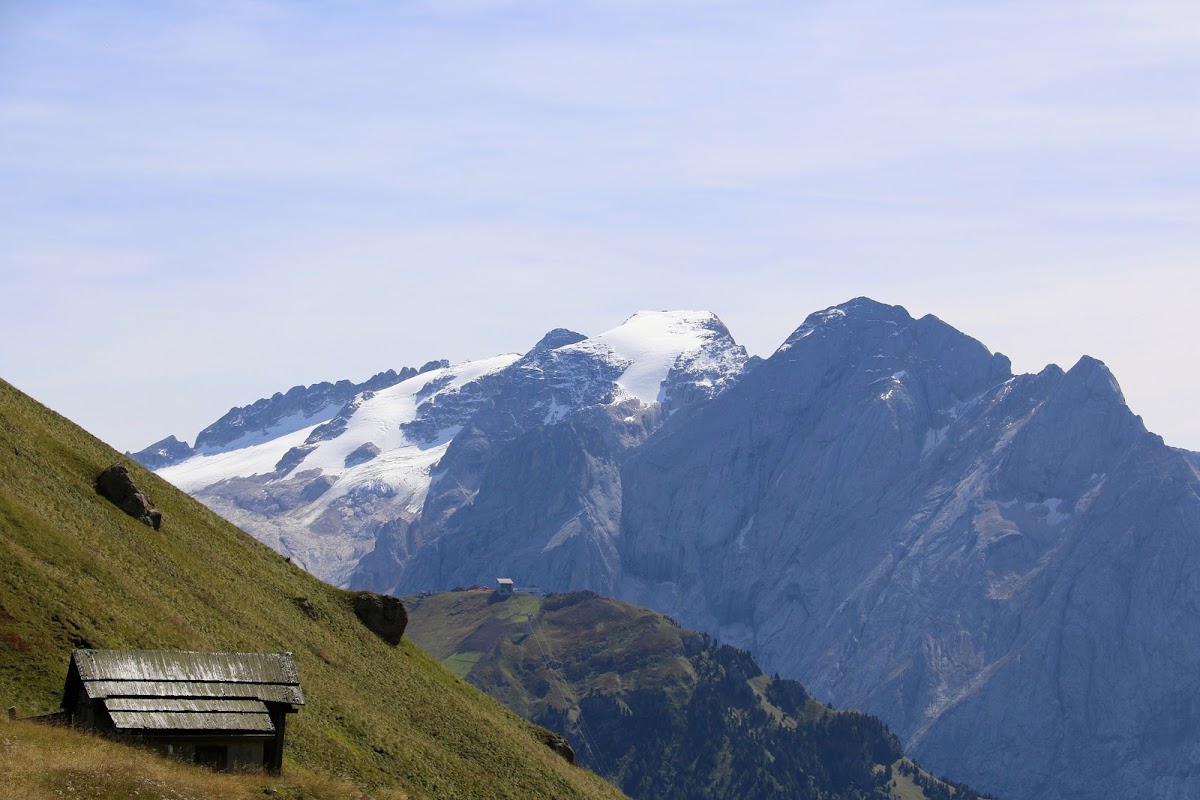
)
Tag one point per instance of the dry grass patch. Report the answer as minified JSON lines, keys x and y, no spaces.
{"x":40,"y":762}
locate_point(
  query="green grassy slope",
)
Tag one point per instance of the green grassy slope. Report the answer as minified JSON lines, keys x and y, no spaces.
{"x":46,"y":762}
{"x":74,"y":570}
{"x":661,"y":711}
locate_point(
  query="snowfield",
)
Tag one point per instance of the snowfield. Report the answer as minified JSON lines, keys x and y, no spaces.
{"x":646,"y":347}
{"x":649,"y":342}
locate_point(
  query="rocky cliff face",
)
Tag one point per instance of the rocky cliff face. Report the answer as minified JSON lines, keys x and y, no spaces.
{"x":561,"y":530}
{"x":995,"y":565}
{"x":1001,"y":567}
{"x":163,"y":453}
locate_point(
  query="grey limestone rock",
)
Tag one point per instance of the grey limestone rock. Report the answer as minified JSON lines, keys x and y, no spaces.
{"x":163,"y":453}
{"x":556,"y":742}
{"x":546,"y":513}
{"x":116,"y":485}
{"x":362,"y":454}
{"x":315,"y":488}
{"x":306,"y":607}
{"x":293,"y":458}
{"x":385,"y":616}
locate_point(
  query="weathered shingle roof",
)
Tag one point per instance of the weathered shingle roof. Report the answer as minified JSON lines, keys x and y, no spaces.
{"x":266,"y":692}
{"x":157,"y":714}
{"x":180,"y":665}
{"x":158,"y":690}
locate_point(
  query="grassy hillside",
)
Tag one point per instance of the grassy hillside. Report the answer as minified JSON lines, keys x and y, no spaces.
{"x":661,"y":711}
{"x":39,"y":762}
{"x":76,"y":571}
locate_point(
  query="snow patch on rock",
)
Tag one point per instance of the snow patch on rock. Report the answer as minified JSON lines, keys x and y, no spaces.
{"x":649,"y":344}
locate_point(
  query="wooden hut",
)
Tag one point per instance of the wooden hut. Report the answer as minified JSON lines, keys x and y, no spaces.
{"x":224,"y":710}
{"x":504,"y":587}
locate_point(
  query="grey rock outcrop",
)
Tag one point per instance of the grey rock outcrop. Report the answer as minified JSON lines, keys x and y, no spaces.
{"x":559,"y":532}
{"x":556,"y":742}
{"x":163,"y":453}
{"x":306,"y":607}
{"x":362,"y":454}
{"x":116,"y":485}
{"x":1191,"y":458}
{"x":383,"y":615}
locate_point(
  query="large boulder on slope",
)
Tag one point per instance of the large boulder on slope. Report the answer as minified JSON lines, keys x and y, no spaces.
{"x":116,"y":485}
{"x":383,"y":614}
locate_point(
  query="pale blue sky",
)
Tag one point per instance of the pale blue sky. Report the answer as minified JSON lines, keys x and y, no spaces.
{"x":205,"y":202}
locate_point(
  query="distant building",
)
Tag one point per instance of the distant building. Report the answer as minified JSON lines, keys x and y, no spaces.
{"x":224,"y":710}
{"x":504,"y":587}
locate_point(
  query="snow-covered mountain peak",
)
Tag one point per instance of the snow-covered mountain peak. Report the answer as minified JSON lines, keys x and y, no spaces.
{"x":317,"y":471}
{"x":650,"y":344}
{"x":559,"y":337}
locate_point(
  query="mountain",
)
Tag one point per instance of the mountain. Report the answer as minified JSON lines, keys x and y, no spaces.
{"x":77,"y":571}
{"x":999,"y":566}
{"x":1192,"y":458}
{"x":335,"y":475}
{"x":663,"y":712}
